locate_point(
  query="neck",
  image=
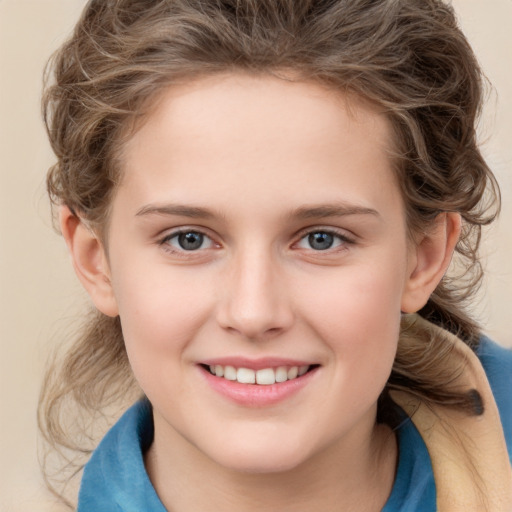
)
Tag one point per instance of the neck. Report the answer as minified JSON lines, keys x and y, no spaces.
{"x":353,"y":475}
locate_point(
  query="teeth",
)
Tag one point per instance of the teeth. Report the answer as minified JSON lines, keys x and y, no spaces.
{"x":292,"y":372}
{"x":282,"y":374}
{"x":230,"y":373}
{"x":246,"y":376}
{"x":264,"y":377}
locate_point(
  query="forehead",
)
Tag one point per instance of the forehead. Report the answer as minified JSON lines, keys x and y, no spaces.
{"x":258,"y":99}
{"x":239,"y":132}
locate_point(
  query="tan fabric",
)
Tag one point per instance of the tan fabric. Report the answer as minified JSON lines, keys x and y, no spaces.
{"x":469,"y":456}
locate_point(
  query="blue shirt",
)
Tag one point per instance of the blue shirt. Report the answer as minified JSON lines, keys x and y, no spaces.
{"x":115,"y":479}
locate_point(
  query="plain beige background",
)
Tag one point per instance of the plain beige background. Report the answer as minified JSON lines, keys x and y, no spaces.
{"x":39,"y":295}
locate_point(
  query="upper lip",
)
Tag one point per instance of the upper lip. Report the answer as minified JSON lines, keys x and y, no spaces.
{"x":256,"y":364}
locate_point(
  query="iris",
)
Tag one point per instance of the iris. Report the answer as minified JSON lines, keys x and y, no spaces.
{"x":320,"y":241}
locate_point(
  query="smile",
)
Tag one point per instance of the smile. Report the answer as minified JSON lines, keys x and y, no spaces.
{"x":259,"y":383}
{"x":263,"y":377}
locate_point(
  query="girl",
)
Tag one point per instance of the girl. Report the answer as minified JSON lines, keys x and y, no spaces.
{"x":262,"y":199}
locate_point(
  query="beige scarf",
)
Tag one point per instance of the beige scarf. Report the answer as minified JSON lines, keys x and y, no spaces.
{"x":469,"y":456}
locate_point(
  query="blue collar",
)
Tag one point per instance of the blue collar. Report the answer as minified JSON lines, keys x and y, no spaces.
{"x":115,"y":478}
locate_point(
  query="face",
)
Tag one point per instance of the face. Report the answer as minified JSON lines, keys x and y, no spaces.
{"x":259,"y":235}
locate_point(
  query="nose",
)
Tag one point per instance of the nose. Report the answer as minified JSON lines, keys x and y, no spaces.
{"x":255,"y":303}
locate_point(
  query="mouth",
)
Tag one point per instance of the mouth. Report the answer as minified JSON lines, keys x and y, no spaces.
{"x":260,"y":377}
{"x":260,"y":382}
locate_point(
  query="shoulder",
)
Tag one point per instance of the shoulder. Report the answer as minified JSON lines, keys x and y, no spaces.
{"x":497,"y":362}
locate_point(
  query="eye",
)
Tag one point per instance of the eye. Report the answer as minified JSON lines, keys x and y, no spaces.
{"x":322,"y":240}
{"x":188,"y":241}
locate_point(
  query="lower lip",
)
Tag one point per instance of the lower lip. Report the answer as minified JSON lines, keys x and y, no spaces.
{"x":257,"y":395}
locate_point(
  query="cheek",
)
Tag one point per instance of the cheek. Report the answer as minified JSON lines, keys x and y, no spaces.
{"x":358,"y":317}
{"x":359,"y":300}
{"x":160,"y":312}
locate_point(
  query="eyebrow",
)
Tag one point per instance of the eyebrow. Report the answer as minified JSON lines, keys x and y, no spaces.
{"x":195,"y":212}
{"x":301,"y":213}
{"x":332,"y":210}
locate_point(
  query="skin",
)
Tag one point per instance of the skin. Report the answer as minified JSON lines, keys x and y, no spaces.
{"x":271,"y":161}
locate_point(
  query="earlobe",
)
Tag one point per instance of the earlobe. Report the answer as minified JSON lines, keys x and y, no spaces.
{"x":89,"y":261}
{"x":430,"y":260}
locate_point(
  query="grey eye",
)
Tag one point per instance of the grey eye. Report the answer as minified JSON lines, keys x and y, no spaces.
{"x":187,"y":241}
{"x":320,"y":241}
{"x":190,"y":241}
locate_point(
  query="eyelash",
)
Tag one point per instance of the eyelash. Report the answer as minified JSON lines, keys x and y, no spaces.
{"x":164,"y":242}
{"x":343,"y":240}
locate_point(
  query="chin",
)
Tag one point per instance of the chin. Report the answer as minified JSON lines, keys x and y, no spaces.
{"x":261,"y":460}
{"x":257,"y":466}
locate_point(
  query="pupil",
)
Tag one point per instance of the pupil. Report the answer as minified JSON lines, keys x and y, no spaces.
{"x":320,"y":241}
{"x":190,"y":241}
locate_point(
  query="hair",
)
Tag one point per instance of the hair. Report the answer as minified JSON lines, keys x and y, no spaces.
{"x":407,"y":57}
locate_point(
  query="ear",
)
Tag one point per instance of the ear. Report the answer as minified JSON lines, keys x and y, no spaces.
{"x":89,"y":261}
{"x":429,"y":261}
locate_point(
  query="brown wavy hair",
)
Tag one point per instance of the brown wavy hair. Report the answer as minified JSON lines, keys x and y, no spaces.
{"x":407,"y":57}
